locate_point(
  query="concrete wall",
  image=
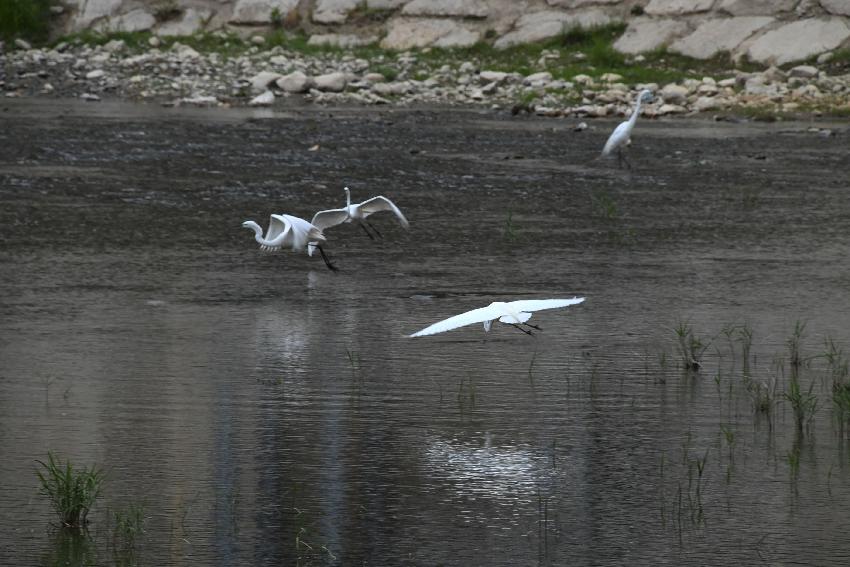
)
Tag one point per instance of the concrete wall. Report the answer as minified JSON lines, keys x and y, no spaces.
{"x":768,"y":31}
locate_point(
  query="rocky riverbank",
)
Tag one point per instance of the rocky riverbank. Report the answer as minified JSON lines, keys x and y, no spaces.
{"x":550,"y":81}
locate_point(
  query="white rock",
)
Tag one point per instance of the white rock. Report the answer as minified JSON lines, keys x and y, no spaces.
{"x":674,"y":94}
{"x":803,"y":71}
{"x":756,"y":7}
{"x":374,"y":78}
{"x":838,"y":7}
{"x":341,"y":40}
{"x":334,"y":11}
{"x":714,"y":36}
{"x":825,"y":57}
{"x":610,"y":77}
{"x":93,"y":10}
{"x":644,"y":34}
{"x":154,"y":41}
{"x":114,"y":45}
{"x":447,"y":8}
{"x":191,"y":21}
{"x":90,"y":97}
{"x":727,"y":82}
{"x":200,"y":100}
{"x":264,"y":99}
{"x":406,"y":33}
{"x":799,"y":40}
{"x":261,"y":81}
{"x":677,"y":7}
{"x":538,"y":26}
{"x":671,"y":109}
{"x":704,"y":103}
{"x":492,"y":76}
{"x":96,"y":74}
{"x":295,"y":82}
{"x":184,"y":51}
{"x":583,"y":79}
{"x":385,"y":89}
{"x":22,"y":44}
{"x":331,"y":82}
{"x":538,"y":78}
{"x":133,"y":21}
{"x":260,"y":11}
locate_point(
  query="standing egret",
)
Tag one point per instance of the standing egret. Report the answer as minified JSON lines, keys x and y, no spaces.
{"x":513,"y":313}
{"x":358,"y":212}
{"x":622,"y":135}
{"x":293,"y":232}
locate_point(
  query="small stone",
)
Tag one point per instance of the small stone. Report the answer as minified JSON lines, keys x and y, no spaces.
{"x":580,"y":127}
{"x":467,"y":67}
{"x":665,"y":109}
{"x":825,"y":57}
{"x":295,"y":82}
{"x":90,"y":97}
{"x":374,"y":78}
{"x":538,"y":78}
{"x":804,"y":71}
{"x":490,"y":88}
{"x":258,"y":40}
{"x":611,"y":78}
{"x":674,"y":94}
{"x":261,"y":81}
{"x":264,"y":99}
{"x":583,"y":79}
{"x":331,"y":82}
{"x":200,"y":101}
{"x":706,"y":103}
{"x":492,"y":76}
{"x":96,"y":74}
{"x":114,"y":46}
{"x":22,"y":44}
{"x":727,"y":83}
{"x":154,"y":41}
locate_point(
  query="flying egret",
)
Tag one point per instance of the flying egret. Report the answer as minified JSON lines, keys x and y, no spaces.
{"x":622,"y":135}
{"x":358,"y":212}
{"x":293,"y":232}
{"x":514,"y":313}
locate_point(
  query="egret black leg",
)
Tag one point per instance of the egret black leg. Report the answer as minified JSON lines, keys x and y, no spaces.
{"x":378,"y":232}
{"x":527,"y":332}
{"x":532,"y":326}
{"x":366,"y":230}
{"x":327,"y":262}
{"x":626,"y":161}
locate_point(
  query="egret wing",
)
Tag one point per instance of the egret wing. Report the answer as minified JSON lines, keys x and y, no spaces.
{"x":470,"y":317}
{"x":329,"y":218}
{"x":529,"y":305}
{"x":279,"y":225}
{"x":380,"y":203}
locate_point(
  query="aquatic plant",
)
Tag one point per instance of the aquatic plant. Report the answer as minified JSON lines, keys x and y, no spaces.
{"x":803,"y":403}
{"x":762,"y":394}
{"x":745,"y":337}
{"x":795,"y":355}
{"x":691,"y":347}
{"x":72,"y":492}
{"x":604,"y":206}
{"x":129,"y":526}
{"x":511,"y":233}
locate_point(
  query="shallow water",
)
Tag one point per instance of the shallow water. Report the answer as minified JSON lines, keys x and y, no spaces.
{"x":264,"y":410}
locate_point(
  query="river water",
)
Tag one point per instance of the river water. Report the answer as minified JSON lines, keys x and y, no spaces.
{"x":263,"y":410}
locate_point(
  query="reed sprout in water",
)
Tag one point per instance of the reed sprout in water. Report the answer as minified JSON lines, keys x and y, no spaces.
{"x":71,"y":491}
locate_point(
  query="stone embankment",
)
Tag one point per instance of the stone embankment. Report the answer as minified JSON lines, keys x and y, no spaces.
{"x":764,"y":31}
{"x":178,"y":74}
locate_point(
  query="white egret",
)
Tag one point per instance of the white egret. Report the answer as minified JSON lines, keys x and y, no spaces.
{"x":514,"y":313}
{"x":358,"y":212}
{"x":291,"y":232}
{"x":622,"y":134}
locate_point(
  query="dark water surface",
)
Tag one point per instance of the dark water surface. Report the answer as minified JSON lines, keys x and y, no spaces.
{"x":265,"y":411}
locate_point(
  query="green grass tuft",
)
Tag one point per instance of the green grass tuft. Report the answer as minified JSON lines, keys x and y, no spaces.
{"x":72,"y":492}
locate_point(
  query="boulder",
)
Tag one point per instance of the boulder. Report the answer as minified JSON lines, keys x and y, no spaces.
{"x":94,"y":10}
{"x":331,"y":82}
{"x":837,"y":7}
{"x":260,"y":11}
{"x":334,"y":11}
{"x":674,"y":94}
{"x":407,"y":33}
{"x":677,"y":7}
{"x":133,"y":21}
{"x":295,"y":82}
{"x":191,"y":21}
{"x":756,"y":7}
{"x":644,"y":34}
{"x":799,"y":40}
{"x":264,"y":99}
{"x":447,"y":8}
{"x":714,"y":36}
{"x":261,"y":81}
{"x":341,"y":40}
{"x":538,"y":26}
{"x":804,"y":72}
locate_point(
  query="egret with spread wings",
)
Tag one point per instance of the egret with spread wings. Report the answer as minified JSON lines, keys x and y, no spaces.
{"x":291,"y":232}
{"x":358,"y":212}
{"x":514,"y":313}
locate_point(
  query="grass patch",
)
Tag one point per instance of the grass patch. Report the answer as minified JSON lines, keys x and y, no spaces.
{"x":72,"y":492}
{"x":26,"y":19}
